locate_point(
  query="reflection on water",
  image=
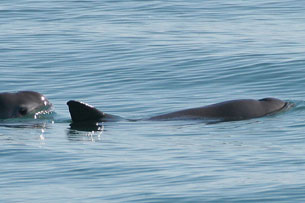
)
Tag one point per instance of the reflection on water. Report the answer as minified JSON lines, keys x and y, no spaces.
{"x":41,"y":125}
{"x":85,"y":131}
{"x":87,"y":126}
{"x":20,"y":130}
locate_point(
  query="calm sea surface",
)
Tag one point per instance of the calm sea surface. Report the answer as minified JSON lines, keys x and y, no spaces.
{"x":142,"y":58}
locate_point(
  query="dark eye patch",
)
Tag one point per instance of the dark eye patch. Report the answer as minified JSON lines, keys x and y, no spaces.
{"x":23,"y":111}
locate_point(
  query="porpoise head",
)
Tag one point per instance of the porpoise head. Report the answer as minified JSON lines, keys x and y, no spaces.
{"x":272,"y":105}
{"x":22,"y":104}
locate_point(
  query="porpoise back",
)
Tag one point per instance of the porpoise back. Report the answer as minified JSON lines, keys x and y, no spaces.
{"x":225,"y":111}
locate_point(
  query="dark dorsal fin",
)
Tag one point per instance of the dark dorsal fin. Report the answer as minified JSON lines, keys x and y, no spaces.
{"x":82,"y":112}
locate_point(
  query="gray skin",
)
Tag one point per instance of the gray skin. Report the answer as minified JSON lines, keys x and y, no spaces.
{"x":22,"y":104}
{"x":225,"y":111}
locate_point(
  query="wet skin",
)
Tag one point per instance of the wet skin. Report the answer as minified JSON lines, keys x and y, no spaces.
{"x":22,"y":104}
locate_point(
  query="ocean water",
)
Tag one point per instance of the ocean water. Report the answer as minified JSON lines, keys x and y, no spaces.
{"x":139,"y":59}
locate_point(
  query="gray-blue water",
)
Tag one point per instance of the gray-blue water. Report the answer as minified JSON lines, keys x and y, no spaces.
{"x":142,"y":58}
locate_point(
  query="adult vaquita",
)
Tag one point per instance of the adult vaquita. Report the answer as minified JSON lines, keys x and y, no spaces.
{"x":232,"y":110}
{"x":23,"y":104}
